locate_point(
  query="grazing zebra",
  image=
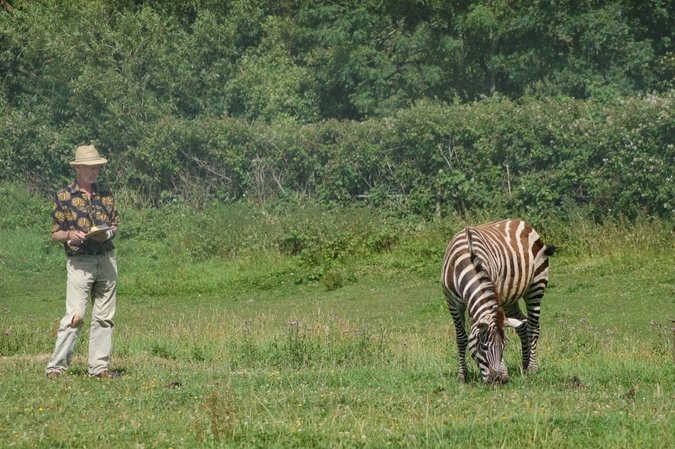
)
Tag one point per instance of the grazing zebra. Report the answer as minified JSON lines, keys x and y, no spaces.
{"x":486,"y":269}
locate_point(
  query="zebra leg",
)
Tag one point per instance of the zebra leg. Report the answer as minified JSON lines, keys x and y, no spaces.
{"x":462,"y":341}
{"x":533,"y":302}
{"x":523,"y":334}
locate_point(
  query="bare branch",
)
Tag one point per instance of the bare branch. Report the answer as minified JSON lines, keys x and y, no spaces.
{"x":207,"y":167}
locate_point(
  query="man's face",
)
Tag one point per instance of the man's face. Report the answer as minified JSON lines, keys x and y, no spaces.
{"x":87,"y":173}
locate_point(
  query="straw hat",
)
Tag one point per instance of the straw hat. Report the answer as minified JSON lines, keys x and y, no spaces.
{"x":88,"y":155}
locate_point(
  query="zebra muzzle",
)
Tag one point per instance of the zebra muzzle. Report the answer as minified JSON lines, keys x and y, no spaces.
{"x":492,"y":376}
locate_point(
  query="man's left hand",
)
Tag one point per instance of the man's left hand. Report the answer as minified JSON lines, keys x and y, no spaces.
{"x":102,"y":237}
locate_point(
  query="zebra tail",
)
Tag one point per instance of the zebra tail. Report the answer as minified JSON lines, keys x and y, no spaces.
{"x":550,"y":250}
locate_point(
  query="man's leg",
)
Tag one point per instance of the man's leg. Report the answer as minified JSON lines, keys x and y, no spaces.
{"x":79,"y":282}
{"x":103,"y":311}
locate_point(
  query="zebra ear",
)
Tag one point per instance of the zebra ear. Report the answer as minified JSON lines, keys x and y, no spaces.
{"x":514,"y":323}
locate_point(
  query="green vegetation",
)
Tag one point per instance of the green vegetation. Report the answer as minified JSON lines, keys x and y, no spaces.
{"x":317,"y":327}
{"x":551,"y":108}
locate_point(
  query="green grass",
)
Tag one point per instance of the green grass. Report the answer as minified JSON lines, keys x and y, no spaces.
{"x":213,"y":355}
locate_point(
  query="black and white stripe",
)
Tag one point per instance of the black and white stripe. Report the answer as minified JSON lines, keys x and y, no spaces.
{"x":486,"y":270}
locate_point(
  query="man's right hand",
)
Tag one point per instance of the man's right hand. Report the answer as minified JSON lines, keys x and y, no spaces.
{"x":75,"y":237}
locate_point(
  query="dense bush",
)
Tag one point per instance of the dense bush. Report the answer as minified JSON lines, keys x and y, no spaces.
{"x":532,"y":157}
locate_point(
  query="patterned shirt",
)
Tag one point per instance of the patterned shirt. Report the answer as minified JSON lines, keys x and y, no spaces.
{"x":74,"y":210}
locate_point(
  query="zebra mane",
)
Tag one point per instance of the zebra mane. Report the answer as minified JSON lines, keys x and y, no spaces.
{"x":500,"y":317}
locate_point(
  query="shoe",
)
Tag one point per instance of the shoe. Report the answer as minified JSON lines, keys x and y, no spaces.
{"x":107,"y":374}
{"x":54,"y":374}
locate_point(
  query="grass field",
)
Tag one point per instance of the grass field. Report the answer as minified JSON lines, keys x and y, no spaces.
{"x":371,"y":364}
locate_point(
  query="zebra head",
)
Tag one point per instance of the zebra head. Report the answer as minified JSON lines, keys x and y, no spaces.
{"x":486,"y":344}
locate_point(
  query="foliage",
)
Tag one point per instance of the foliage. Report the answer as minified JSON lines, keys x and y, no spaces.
{"x":531,"y":109}
{"x":345,"y":59}
{"x":533,"y":158}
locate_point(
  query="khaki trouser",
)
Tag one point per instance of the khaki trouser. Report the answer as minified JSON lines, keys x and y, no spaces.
{"x":95,"y":278}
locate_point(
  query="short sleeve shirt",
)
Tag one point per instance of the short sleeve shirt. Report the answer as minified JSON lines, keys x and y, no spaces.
{"x":74,"y":210}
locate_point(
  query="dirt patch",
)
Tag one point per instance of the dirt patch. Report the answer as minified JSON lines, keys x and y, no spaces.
{"x":25,"y":358}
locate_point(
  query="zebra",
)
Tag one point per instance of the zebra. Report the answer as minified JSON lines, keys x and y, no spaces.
{"x":487,"y":269}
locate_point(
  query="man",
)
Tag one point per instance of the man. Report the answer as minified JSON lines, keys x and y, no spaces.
{"x":85,"y":221}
